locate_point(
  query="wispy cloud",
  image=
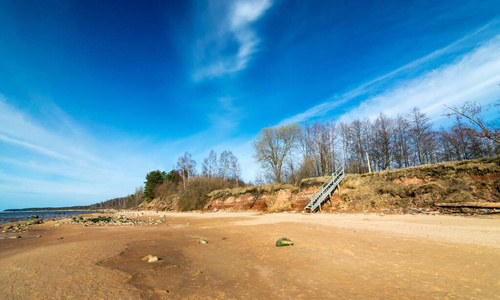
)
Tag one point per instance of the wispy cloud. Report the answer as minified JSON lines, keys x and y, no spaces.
{"x":472,"y":77}
{"x":229,"y":40}
{"x":373,"y":86}
{"x":30,"y":146}
{"x":42,"y":164}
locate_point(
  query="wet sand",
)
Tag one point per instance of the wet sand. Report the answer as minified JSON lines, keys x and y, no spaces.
{"x":334,"y":256}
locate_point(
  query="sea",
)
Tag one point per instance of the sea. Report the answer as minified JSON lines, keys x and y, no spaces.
{"x":19,"y":216}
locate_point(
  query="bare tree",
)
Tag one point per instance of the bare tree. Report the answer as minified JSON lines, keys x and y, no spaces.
{"x":186,"y":167}
{"x":272,"y":146}
{"x":225,"y":160}
{"x":319,"y":143}
{"x":383,"y":141}
{"x":476,"y":126}
{"x":401,"y":142}
{"x":209,"y":166}
{"x":422,"y":134}
{"x":235,"y":166}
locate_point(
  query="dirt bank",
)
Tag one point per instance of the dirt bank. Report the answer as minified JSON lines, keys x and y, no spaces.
{"x":402,"y":190}
{"x":334,"y":256}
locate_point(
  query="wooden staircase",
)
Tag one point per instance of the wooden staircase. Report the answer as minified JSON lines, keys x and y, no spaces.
{"x":325,"y":190}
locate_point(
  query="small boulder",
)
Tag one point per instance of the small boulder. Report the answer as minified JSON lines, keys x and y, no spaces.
{"x":15,"y":237}
{"x":150,"y":258}
{"x":203,"y":241}
{"x":283,"y":242}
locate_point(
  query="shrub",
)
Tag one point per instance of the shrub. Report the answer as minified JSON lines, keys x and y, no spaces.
{"x":195,"y":195}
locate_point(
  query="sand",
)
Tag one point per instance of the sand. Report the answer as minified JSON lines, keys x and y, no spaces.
{"x":334,"y":257}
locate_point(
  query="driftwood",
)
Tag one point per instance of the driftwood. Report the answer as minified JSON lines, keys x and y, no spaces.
{"x":470,"y":204}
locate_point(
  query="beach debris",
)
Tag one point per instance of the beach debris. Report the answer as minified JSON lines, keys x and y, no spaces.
{"x":15,"y":237}
{"x":283,"y":242}
{"x":203,"y":241}
{"x":150,"y":258}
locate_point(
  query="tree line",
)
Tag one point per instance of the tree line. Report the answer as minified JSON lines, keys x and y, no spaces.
{"x":292,"y":152}
{"x":289,"y":153}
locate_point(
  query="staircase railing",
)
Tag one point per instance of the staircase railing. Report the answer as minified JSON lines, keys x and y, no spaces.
{"x":325,"y":190}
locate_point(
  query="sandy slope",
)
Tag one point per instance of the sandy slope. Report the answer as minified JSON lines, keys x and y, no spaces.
{"x":335,"y":256}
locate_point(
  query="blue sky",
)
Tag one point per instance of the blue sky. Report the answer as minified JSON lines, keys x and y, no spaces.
{"x":95,"y":94}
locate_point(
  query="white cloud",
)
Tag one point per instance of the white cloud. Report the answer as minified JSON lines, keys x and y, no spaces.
{"x":473,"y":77}
{"x":36,"y":148}
{"x":404,"y":88}
{"x":227,"y":26}
{"x":57,"y":164}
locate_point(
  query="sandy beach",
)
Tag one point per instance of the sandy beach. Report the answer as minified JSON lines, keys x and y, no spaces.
{"x":335,"y":256}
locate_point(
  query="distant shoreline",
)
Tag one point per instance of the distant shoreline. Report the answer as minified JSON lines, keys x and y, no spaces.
{"x":33,"y":209}
{"x":47,"y":210}
{"x":20,"y":215}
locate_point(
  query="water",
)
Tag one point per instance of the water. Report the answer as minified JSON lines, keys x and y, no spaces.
{"x":19,"y":216}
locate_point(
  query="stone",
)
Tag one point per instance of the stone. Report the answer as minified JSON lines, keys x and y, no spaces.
{"x":203,"y":241}
{"x":150,"y":258}
{"x":60,"y":238}
{"x":38,"y":236}
{"x":283,"y":242}
{"x":57,"y":225}
{"x":153,"y":259}
{"x":15,"y":237}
